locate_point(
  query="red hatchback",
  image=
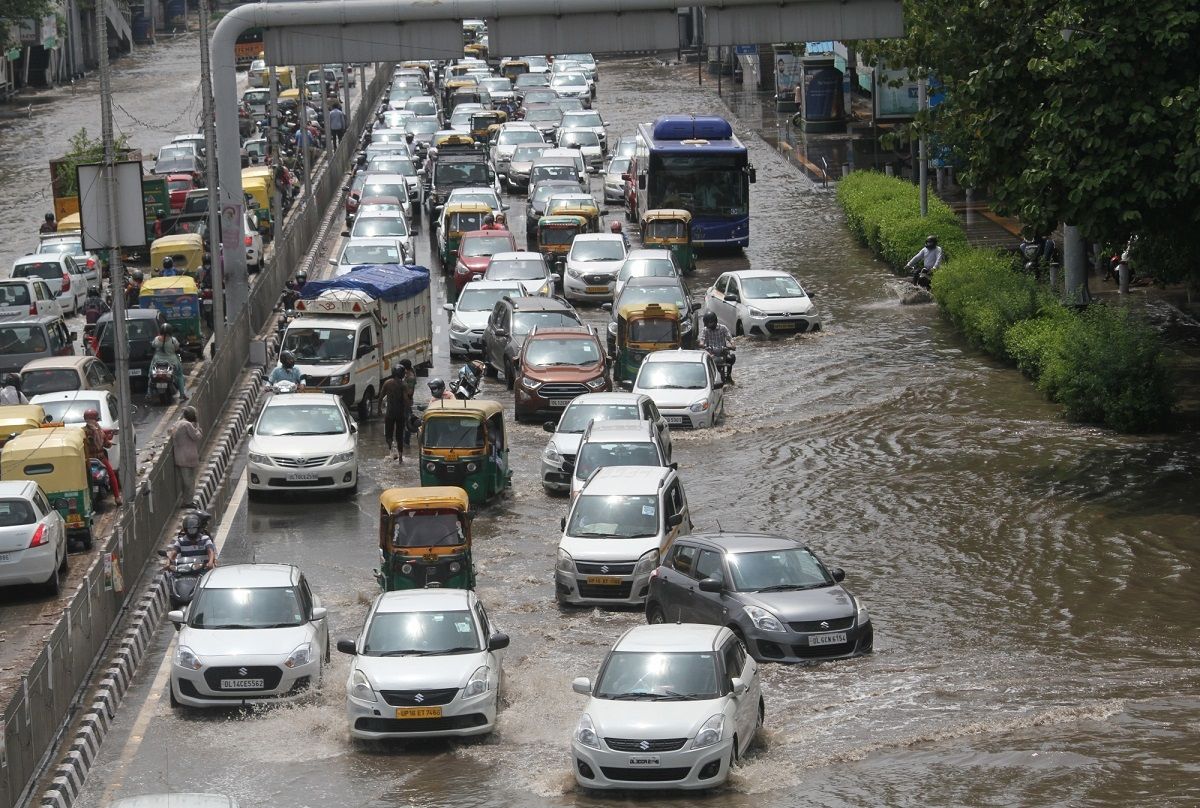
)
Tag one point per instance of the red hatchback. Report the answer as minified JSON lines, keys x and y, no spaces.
{"x":178,"y":185}
{"x":475,"y":251}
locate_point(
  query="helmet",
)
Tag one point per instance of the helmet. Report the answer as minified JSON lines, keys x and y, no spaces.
{"x":489,"y":219}
{"x":191,"y":525}
{"x":93,"y":291}
{"x":166,"y":329}
{"x":137,"y":275}
{"x":615,"y":227}
{"x":406,"y":364}
{"x":290,"y":284}
{"x":12,"y":380}
{"x":160,"y":214}
{"x":287,"y":359}
{"x":437,"y":386}
{"x":931,"y":242}
{"x":168,"y":263}
{"x":398,"y":371}
{"x":301,"y":278}
{"x":91,"y":414}
{"x":710,"y":319}
{"x":49,"y":217}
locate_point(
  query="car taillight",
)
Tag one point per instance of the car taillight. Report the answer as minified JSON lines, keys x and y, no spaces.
{"x":249,"y":241}
{"x":33,"y":309}
{"x":39,"y":537}
{"x":66,"y":282}
{"x":91,"y":263}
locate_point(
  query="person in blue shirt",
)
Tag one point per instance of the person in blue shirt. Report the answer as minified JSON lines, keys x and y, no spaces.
{"x":168,"y":267}
{"x":287,"y":371}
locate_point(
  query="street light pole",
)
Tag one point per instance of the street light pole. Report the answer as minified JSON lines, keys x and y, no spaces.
{"x":215,"y":262}
{"x":923,"y":107}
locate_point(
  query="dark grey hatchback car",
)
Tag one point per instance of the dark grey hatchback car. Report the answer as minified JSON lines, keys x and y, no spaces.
{"x":770,"y":590}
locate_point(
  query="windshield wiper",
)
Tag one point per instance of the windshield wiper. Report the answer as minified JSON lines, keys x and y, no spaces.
{"x":671,"y":694}
{"x":789,"y":587}
{"x":433,"y":652}
{"x":629,"y":696}
{"x":599,"y":535}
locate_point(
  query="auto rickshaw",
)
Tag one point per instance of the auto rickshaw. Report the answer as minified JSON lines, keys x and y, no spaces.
{"x":258,"y":183}
{"x":283,"y":75}
{"x":512,"y":68}
{"x":16,"y":418}
{"x":483,"y":120}
{"x":641,"y":329}
{"x":463,"y":443}
{"x":186,"y":250}
{"x":451,"y":142}
{"x":670,"y":229}
{"x":69,"y":224}
{"x":178,"y":299}
{"x":459,"y":218}
{"x":55,"y":458}
{"x":476,"y":49}
{"x":586,"y":209}
{"x":425,"y":539}
{"x":554,"y":237}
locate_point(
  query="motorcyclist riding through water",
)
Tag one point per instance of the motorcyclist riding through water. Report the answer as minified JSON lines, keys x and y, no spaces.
{"x":716,"y":339}
{"x":287,"y":371}
{"x":930,"y":257}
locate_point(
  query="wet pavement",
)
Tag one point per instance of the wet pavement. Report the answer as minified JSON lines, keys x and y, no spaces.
{"x":1032,"y":583}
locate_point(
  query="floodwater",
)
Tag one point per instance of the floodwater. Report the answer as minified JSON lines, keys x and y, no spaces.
{"x":1032,"y":583}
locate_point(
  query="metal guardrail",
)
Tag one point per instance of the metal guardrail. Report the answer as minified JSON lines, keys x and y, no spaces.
{"x":35,"y":713}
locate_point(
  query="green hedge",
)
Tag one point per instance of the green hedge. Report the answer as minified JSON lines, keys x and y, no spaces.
{"x":1102,"y":366}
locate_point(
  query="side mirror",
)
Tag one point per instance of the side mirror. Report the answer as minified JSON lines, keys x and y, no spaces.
{"x":582,"y":685}
{"x":353,"y":429}
{"x":739,"y":687}
{"x":250,"y":429}
{"x":74,"y":335}
{"x":549,"y":426}
{"x":318,"y":613}
{"x":500,"y":332}
{"x":675,"y":520}
{"x":497,"y":641}
{"x":448,"y":308}
{"x":753,"y":175}
{"x":838,"y":574}
{"x":625,"y":176}
{"x":718,"y":384}
{"x":810,"y":293}
{"x":347,"y":647}
{"x":697,"y":306}
{"x":606,"y":306}
{"x":711,"y":585}
{"x":641,"y":182}
{"x":732,"y":298}
{"x":175,"y":616}
{"x":345,"y":233}
{"x":363,"y":350}
{"x":332,"y":262}
{"x":674,"y":466}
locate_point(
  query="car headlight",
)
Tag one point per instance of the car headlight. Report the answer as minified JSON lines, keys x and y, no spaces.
{"x":551,"y":455}
{"x":337,"y":381}
{"x":756,"y":312}
{"x":477,"y":685}
{"x":260,"y":459}
{"x":700,"y":406}
{"x":646,"y":563}
{"x":763,"y":620}
{"x":461,"y":269}
{"x":457,"y":326}
{"x":341,"y":457}
{"x":863,"y":617}
{"x":543,"y":290}
{"x":612,"y":329}
{"x":574,"y":273}
{"x":360,"y":687}
{"x":710,"y":732}
{"x":686,"y":325}
{"x":186,"y":658}
{"x":597,"y":383}
{"x":585,"y":732}
{"x":301,"y":656}
{"x":531,"y":384}
{"x":565,"y":562}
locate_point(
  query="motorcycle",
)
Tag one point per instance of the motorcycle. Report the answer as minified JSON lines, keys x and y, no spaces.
{"x":466,"y":385}
{"x":98,"y":480}
{"x":183,"y":576}
{"x":162,"y":382}
{"x":724,"y":360}
{"x":922,"y":277}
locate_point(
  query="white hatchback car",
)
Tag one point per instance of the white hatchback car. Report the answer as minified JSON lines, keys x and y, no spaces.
{"x":303,"y":441}
{"x":593,"y":263}
{"x":527,"y":268}
{"x":685,"y":385}
{"x":762,"y":302}
{"x":426,"y":664}
{"x":674,"y":706}
{"x":33,"y":538}
{"x":68,"y":407}
{"x":645,"y":263}
{"x":253,"y":633}
{"x":617,"y":443}
{"x":583,"y":410}
{"x":469,"y":315}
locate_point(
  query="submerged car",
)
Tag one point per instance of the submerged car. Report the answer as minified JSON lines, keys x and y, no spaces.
{"x":763,"y":303}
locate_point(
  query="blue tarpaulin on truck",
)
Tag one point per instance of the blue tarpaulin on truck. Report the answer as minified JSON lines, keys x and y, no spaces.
{"x":389,"y":282}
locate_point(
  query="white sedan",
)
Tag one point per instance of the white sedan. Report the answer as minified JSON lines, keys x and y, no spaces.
{"x":686,"y":387}
{"x":69,"y":406}
{"x":426,"y":664}
{"x":254,"y":633}
{"x":303,"y":441}
{"x":762,"y":302}
{"x":675,"y":706}
{"x":33,"y":538}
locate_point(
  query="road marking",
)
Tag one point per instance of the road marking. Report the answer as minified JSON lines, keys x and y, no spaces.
{"x":231,"y":510}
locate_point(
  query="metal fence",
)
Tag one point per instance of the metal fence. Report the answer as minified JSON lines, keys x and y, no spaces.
{"x":40,"y":705}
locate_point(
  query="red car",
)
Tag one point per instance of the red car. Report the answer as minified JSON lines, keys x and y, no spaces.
{"x":178,"y":185}
{"x":475,"y":251}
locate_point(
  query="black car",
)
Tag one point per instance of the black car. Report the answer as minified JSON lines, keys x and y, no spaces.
{"x":142,"y":328}
{"x":511,"y":321}
{"x":771,"y":590}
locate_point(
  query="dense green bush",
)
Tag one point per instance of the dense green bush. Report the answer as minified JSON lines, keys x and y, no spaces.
{"x":983,"y":297}
{"x":1030,"y":343}
{"x":884,"y":212}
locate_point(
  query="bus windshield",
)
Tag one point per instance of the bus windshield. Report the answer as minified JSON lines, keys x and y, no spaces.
{"x":705,"y":184}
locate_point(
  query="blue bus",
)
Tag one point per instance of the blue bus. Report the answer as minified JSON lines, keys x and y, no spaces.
{"x":694,"y":162}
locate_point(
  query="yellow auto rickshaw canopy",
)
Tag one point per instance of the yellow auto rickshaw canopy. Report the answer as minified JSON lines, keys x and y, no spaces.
{"x":43,"y":447}
{"x":455,"y":139}
{"x":264,"y":172}
{"x":181,"y":242}
{"x":667,"y":214}
{"x":20,"y":417}
{"x":177,"y":284}
{"x":484,"y":408}
{"x":68,"y":224}
{"x":468,"y":207}
{"x":290,"y":95}
{"x":642,"y":311}
{"x":448,"y":497}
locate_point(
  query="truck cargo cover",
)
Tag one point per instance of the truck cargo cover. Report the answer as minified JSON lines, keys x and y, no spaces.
{"x":387,"y":282}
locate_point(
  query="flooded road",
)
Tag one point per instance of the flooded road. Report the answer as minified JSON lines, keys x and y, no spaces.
{"x":1032,"y":583}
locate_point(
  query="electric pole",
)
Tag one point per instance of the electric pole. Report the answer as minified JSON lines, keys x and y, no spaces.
{"x":922,"y":157}
{"x":216,"y":264}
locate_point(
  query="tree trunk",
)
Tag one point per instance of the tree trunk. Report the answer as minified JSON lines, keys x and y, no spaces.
{"x":1075,"y":267}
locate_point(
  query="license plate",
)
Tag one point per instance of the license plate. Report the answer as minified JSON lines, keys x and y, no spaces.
{"x":596,"y":290}
{"x":651,"y":760}
{"x":302,"y":477}
{"x":783,"y":326}
{"x":242,"y":684}
{"x":4,"y":557}
{"x":827,"y":639}
{"x":674,"y":419}
{"x":559,"y":402}
{"x":418,"y":712}
{"x":604,"y":580}
{"x":135,"y":371}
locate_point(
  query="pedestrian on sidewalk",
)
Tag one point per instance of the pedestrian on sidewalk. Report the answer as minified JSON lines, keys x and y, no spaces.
{"x":337,"y":124}
{"x":186,"y":439}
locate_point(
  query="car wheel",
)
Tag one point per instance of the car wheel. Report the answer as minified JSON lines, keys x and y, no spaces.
{"x":762,"y":715}
{"x":509,"y":381}
{"x":738,"y":330}
{"x":63,"y":567}
{"x":364,"y":406}
{"x":654,"y":615}
{"x":53,"y":585}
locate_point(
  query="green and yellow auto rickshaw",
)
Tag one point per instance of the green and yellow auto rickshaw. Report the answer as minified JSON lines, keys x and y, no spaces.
{"x":511,"y":68}
{"x":17,"y":418}
{"x":554,"y":237}
{"x":484,"y":119}
{"x":643,"y":328}
{"x":576,"y":205}
{"x":670,"y":229}
{"x":425,"y":539}
{"x":463,"y":443}
{"x":258,"y":184}
{"x":55,"y":459}
{"x":459,"y":218}
{"x":186,"y":251}
{"x":178,"y":299}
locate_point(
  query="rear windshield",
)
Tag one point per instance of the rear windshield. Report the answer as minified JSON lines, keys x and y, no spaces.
{"x":21,"y":339}
{"x":50,"y":380}
{"x":14,"y":294}
{"x":15,"y":512}
{"x":137,"y":329}
{"x":69,"y":412}
{"x":47,"y":270}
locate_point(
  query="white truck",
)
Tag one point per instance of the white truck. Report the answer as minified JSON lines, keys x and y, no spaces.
{"x":351,"y":329}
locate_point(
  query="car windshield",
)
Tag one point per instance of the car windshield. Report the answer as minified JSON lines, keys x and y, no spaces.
{"x":598,"y":250}
{"x":421,"y":106}
{"x":303,"y":419}
{"x":596,"y":455}
{"x":461,"y":117}
{"x":531,"y":80}
{"x":50,"y":380}
{"x":658,"y":329}
{"x":576,"y":417}
{"x":558,"y":351}
{"x":581,"y":119}
{"x":540,"y":95}
{"x":516,"y":269}
{"x":655,"y":676}
{"x":69,"y":412}
{"x":777,"y":570}
{"x":672,"y":376}
{"x":371,"y":254}
{"x":316,"y":346}
{"x":421,"y":634}
{"x":15,"y":512}
{"x":398,"y":190}
{"x":527,"y":152}
{"x":514,"y":137}
{"x":614,"y":517}
{"x":175,"y":152}
{"x":544,"y":115}
{"x":619,"y":165}
{"x":647,"y":268}
{"x":390,"y":164}
{"x":544,"y":191}
{"x":461,"y":174}
{"x":484,"y":245}
{"x":47,"y":270}
{"x":377,"y":226}
{"x":267,"y":607}
{"x":525,"y":321}
{"x":421,"y":127}
{"x":67,"y":246}
{"x":779,"y":286}
{"x":485,"y":197}
{"x":450,"y":432}
{"x":482,"y":299}
{"x":581,"y":137}
{"x":569,"y":80}
{"x":541,"y":173}
{"x":21,"y":339}
{"x":426,"y":529}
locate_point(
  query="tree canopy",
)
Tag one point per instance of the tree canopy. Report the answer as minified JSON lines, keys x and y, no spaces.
{"x":14,"y":12}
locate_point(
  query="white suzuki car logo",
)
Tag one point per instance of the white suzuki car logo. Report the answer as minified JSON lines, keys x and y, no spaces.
{"x":644,"y":745}
{"x":604,"y":568}
{"x":242,"y":671}
{"x":824,"y":624}
{"x":420,"y":697}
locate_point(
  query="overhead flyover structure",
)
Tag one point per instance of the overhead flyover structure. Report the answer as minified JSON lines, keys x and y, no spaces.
{"x":343,"y":31}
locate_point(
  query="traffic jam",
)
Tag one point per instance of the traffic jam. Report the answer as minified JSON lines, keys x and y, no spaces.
{"x":509,"y":264}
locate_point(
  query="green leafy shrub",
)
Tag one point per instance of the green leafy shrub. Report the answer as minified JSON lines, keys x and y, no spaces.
{"x":863,"y":192}
{"x":1030,"y":343}
{"x":983,"y":297}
